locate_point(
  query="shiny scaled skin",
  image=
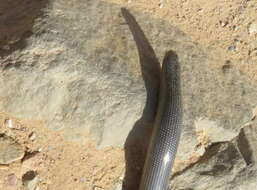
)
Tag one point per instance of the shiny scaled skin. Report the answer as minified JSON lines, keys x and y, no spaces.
{"x":166,"y":132}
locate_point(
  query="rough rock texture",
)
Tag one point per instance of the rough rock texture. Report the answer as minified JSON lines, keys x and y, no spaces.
{"x":225,"y":165}
{"x":79,"y":70}
{"x":30,"y":180}
{"x":10,"y":151}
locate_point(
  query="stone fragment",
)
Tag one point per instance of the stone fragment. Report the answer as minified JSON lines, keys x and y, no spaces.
{"x":9,"y":123}
{"x":30,"y":180}
{"x":254,"y":113}
{"x":12,"y":180}
{"x":247,"y":143}
{"x":10,"y":150}
{"x":118,"y":187}
{"x":252,"y":28}
{"x":32,"y":136}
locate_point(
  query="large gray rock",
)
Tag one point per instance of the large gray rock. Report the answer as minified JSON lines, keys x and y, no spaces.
{"x":225,"y":165}
{"x":79,"y":70}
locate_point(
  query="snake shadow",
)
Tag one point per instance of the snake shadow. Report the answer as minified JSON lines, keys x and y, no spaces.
{"x":139,"y":137}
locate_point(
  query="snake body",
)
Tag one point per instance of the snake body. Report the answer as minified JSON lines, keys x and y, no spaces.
{"x":166,"y":132}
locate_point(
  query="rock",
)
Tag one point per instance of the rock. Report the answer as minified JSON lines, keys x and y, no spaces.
{"x":12,"y":180}
{"x":10,"y":150}
{"x":161,"y":3}
{"x":30,"y":180}
{"x":247,"y":143}
{"x":9,"y":123}
{"x":97,"y":188}
{"x":252,"y":28}
{"x":32,"y":136}
{"x":118,"y":187}
{"x":254,"y":113}
{"x":208,"y":134}
{"x":82,"y":180}
{"x":220,"y":160}
{"x":232,"y":48}
{"x":223,"y":23}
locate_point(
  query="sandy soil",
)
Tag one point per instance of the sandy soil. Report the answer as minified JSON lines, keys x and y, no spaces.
{"x":228,"y":28}
{"x":58,"y":164}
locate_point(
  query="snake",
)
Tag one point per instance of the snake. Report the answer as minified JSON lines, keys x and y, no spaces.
{"x":166,"y":129}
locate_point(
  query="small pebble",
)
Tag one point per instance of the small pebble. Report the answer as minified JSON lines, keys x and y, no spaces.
{"x":10,"y":150}
{"x":200,"y":10}
{"x":254,"y":113}
{"x":32,"y":136}
{"x":12,"y":180}
{"x":82,"y":179}
{"x":235,"y":28}
{"x":161,"y":4}
{"x":121,"y":177}
{"x":118,"y":187}
{"x":9,"y":123}
{"x":252,"y":29}
{"x":30,"y":180}
{"x":223,"y":23}
{"x":226,"y":67}
{"x":232,"y":48}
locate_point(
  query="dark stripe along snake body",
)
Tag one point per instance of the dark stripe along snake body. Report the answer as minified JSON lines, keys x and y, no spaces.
{"x":166,"y":132}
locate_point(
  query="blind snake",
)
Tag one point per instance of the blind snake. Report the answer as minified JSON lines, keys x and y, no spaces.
{"x":167,"y":126}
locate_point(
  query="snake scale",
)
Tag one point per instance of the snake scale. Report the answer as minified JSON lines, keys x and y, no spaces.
{"x":167,"y":128}
{"x":168,"y":116}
